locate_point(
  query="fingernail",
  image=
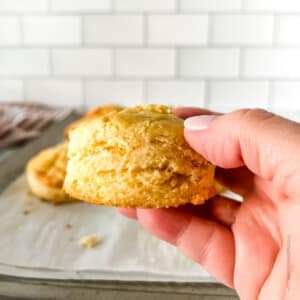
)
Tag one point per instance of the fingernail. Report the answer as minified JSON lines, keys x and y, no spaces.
{"x":198,"y":122}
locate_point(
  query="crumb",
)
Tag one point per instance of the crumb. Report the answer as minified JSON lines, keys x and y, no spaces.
{"x":88,"y":242}
{"x":26,"y":212}
{"x":68,"y":226}
{"x":29,"y":193}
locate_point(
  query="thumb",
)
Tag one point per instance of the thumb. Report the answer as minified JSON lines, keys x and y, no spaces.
{"x":262,"y":141}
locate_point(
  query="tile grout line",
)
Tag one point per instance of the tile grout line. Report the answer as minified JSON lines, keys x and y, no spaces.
{"x":241,"y":64}
{"x":207,"y":93}
{"x":22,"y":33}
{"x":145,"y":91}
{"x":51,"y":61}
{"x":177,"y":6}
{"x":141,"y":77}
{"x":243,"y":7}
{"x":210,"y":31}
{"x":177,"y":68}
{"x":139,"y":46}
{"x":270,"y":94}
{"x":24,"y":89}
{"x":275,"y":41}
{"x":83,"y":93}
{"x":145,"y":30}
{"x":49,"y":6}
{"x":81,"y":31}
{"x":114,"y":64}
{"x":111,"y":11}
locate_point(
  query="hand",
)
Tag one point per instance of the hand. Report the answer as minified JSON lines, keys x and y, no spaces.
{"x":253,"y":247}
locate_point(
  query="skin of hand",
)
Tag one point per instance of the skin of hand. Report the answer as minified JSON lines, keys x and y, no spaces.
{"x":253,"y":246}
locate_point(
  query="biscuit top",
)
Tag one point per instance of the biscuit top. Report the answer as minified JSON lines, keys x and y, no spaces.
{"x":151,"y":121}
{"x":102,"y":110}
{"x":148,"y":114}
{"x":141,"y":137}
{"x":92,"y":113}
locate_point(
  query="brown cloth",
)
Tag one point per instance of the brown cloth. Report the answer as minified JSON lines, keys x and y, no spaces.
{"x":22,"y":122}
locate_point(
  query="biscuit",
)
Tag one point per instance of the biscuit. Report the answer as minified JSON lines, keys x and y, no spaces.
{"x":95,"y":112}
{"x":46,"y":173}
{"x":136,"y":157}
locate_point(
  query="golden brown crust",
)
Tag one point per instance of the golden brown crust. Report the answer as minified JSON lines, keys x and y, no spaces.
{"x":92,"y":113}
{"x":137,"y":157}
{"x":46,"y":173}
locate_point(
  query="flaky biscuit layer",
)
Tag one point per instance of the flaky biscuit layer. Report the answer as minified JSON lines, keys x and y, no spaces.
{"x":136,"y":158}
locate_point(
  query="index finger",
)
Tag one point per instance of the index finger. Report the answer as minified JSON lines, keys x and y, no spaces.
{"x":208,"y":243}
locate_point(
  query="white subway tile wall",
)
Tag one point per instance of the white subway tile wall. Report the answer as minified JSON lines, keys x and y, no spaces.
{"x":286,"y":95}
{"x":113,"y":30}
{"x":114,"y":91}
{"x":209,"y":62}
{"x":51,"y":30}
{"x":23,"y":6}
{"x":189,"y":93}
{"x":145,"y":5}
{"x":280,"y":6}
{"x":79,"y":6}
{"x":24,"y":62}
{"x":145,"y":63}
{"x":239,"y":94}
{"x":272,"y":63}
{"x":288,"y":30}
{"x":242,"y":30}
{"x":178,"y":30}
{"x":210,"y":5}
{"x":12,"y":90}
{"x":81,"y":62}
{"x":56,"y":92}
{"x":221,"y":54}
{"x":10,"y":31}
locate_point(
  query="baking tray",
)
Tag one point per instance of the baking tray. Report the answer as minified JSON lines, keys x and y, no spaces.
{"x":25,"y":283}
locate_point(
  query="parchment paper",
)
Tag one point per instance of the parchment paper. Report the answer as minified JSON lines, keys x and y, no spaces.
{"x":38,"y":235}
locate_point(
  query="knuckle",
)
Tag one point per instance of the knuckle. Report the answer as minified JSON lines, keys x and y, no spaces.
{"x":256,"y":114}
{"x":253,"y":119}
